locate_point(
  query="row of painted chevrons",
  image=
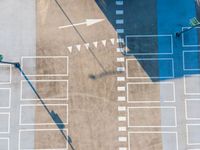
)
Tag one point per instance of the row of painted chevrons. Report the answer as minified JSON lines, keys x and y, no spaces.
{"x":95,"y":44}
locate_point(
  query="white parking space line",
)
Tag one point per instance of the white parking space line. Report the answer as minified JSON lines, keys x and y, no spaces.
{"x":28,"y":64}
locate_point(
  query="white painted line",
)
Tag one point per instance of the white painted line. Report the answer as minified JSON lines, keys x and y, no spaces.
{"x":185,"y":62}
{"x":120,"y":31}
{"x":121,"y":118}
{"x":23,"y":134}
{"x":122,"y":148}
{"x":5,"y":143}
{"x":5,"y":95}
{"x":192,"y":109}
{"x":5,"y":74}
{"x":49,"y":61}
{"x":120,"y":40}
{"x":170,"y":37}
{"x":119,"y":12}
{"x":122,"y":139}
{"x":121,"y":88}
{"x":120,"y":78}
{"x":121,"y":108}
{"x":122,"y":129}
{"x":166,"y":137}
{"x":119,"y":49}
{"x":5,"y":122}
{"x":148,"y":60}
{"x":150,"y":86}
{"x":88,"y":22}
{"x":167,"y":119}
{"x":62,"y":87}
{"x":119,"y":2}
{"x":26,"y":118}
{"x":120,"y":69}
{"x":120,"y":59}
{"x":191,"y":84}
{"x":121,"y":98}
{"x":183,"y":38}
{"x":193,"y":134}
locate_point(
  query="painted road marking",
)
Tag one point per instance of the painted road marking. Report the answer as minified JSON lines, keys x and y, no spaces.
{"x":88,"y":22}
{"x":167,"y":137}
{"x":60,"y":94}
{"x":28,"y":64}
{"x":121,"y":98}
{"x":146,"y":97}
{"x":193,"y":134}
{"x":134,"y":39}
{"x":119,"y":12}
{"x":168,"y":117}
{"x":122,"y":129}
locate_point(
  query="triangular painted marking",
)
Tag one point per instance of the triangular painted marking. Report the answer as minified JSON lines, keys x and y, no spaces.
{"x":95,"y":44}
{"x":70,"y":49}
{"x":87,"y":45}
{"x":104,"y":42}
{"x":78,"y":47}
{"x":112,"y":41}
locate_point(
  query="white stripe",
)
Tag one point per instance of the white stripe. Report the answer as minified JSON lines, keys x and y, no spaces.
{"x":120,"y":59}
{"x":121,"y":118}
{"x":119,"y":2}
{"x":121,"y":108}
{"x":120,"y":69}
{"x":119,"y":21}
{"x":119,"y":12}
{"x":119,"y":49}
{"x":121,"y":88}
{"x":120,"y":30}
{"x":121,"y":98}
{"x":120,"y":40}
{"x":120,"y":78}
{"x":122,"y":148}
{"x":121,"y":128}
{"x":122,"y":139}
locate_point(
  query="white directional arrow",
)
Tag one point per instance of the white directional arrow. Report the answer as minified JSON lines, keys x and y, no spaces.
{"x":88,"y":22}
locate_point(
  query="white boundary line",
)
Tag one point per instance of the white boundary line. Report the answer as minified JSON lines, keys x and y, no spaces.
{"x":9,"y":100}
{"x":40,"y":105}
{"x":183,"y":39}
{"x":34,"y":130}
{"x":143,"y":36}
{"x":35,"y":81}
{"x":140,"y":83}
{"x":150,"y":132}
{"x":8,"y":123}
{"x":186,"y":110}
{"x":8,"y":140}
{"x":187,"y":125}
{"x":10,"y":75}
{"x":172,"y":63}
{"x":191,"y":51}
{"x":151,"y":107}
{"x":185,"y":91}
{"x":46,"y":57}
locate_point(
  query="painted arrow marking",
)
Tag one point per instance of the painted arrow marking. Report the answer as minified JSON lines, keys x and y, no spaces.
{"x":88,"y":22}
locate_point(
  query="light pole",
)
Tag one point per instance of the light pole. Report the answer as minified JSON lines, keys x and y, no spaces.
{"x":193,"y":22}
